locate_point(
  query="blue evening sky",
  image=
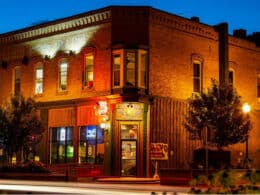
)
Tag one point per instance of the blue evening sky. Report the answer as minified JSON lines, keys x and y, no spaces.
{"x":18,"y":14}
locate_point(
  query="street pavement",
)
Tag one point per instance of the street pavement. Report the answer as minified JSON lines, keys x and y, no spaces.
{"x":91,"y":188}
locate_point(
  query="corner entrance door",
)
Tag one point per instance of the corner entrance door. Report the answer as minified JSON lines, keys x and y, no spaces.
{"x":129,"y":136}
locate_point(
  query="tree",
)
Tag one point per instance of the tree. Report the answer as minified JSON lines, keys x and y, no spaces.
{"x":20,"y":127}
{"x":220,"y":112}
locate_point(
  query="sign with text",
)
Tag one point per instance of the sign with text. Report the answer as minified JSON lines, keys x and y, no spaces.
{"x":159,"y":151}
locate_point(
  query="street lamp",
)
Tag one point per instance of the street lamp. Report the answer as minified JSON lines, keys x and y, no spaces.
{"x":246,"y":109}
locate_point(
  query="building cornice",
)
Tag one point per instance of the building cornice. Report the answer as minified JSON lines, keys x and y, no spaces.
{"x":237,"y":42}
{"x":183,"y":24}
{"x":56,"y":27}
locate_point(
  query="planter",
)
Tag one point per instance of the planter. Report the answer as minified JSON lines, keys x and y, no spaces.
{"x":216,"y":158}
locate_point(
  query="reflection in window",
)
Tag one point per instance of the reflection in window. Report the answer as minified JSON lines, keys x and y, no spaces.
{"x":196,"y":77}
{"x":129,"y":135}
{"x":142,"y":81}
{"x":116,"y":62}
{"x":61,"y":145}
{"x":39,"y":79}
{"x":130,"y":69}
{"x":91,"y":145}
{"x":129,"y":131}
{"x":88,"y":71}
{"x":17,"y":80}
{"x":63,"y":75}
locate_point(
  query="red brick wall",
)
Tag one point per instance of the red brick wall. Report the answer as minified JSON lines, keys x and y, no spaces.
{"x":100,"y":40}
{"x":245,"y":61}
{"x":171,"y":52}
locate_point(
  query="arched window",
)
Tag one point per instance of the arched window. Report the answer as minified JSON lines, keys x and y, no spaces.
{"x":39,"y":79}
{"x":197,"y":66}
{"x":88,"y":70}
{"x":197,"y":77}
{"x":63,"y":75}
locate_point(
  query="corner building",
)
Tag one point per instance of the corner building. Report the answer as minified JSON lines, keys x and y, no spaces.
{"x":112,"y":81}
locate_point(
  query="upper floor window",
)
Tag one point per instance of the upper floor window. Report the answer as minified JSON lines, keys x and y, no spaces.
{"x":39,"y":79}
{"x":63,"y":75}
{"x":143,"y":62}
{"x":231,"y":77}
{"x":17,"y":80}
{"x":258,"y":85}
{"x":197,"y":84}
{"x":130,"y":68}
{"x":88,"y":70}
{"x":116,"y":69}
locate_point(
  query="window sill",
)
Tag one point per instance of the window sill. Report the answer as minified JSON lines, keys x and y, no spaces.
{"x":38,"y":95}
{"x":62,"y":92}
{"x":86,"y":88}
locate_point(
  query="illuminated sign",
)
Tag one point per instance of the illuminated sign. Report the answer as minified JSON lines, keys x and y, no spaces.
{"x":62,"y":134}
{"x":102,"y":108}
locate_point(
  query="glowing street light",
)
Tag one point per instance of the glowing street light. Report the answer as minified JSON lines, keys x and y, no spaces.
{"x":246,"y":109}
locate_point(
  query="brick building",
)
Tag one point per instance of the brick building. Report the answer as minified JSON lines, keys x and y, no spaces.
{"x":112,"y":81}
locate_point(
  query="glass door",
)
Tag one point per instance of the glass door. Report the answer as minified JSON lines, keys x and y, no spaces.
{"x":129,"y":137}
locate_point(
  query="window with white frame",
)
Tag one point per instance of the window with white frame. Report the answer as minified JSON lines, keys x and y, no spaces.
{"x":197,"y":77}
{"x":142,"y":68}
{"x":116,"y":69}
{"x":130,"y":68}
{"x":39,"y":79}
{"x":63,"y":75}
{"x":88,"y":70}
{"x":117,"y":62}
{"x":17,"y":80}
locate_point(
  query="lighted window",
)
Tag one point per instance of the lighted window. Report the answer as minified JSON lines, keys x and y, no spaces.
{"x":88,"y":70}
{"x":142,"y":75}
{"x":130,"y":69}
{"x":197,"y":77}
{"x":39,"y":79}
{"x":117,"y":65}
{"x":17,"y":80}
{"x":231,"y":77}
{"x":258,"y":85}
{"x":63,"y":75}
{"x":91,"y":145}
{"x":61,"y":145}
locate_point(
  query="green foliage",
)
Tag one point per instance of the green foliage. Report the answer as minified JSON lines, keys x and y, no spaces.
{"x":219,"y":111}
{"x":227,"y":181}
{"x":20,"y":126}
{"x":252,"y":176}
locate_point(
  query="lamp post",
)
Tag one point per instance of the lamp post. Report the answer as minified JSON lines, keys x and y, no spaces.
{"x":246,"y":109}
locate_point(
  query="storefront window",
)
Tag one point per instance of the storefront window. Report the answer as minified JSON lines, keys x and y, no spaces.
{"x":91,"y":145}
{"x":61,"y":145}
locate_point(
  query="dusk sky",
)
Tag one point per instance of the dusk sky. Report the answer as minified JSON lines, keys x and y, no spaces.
{"x":18,"y":14}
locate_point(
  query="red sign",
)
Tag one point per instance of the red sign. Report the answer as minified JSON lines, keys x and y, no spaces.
{"x":159,"y":151}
